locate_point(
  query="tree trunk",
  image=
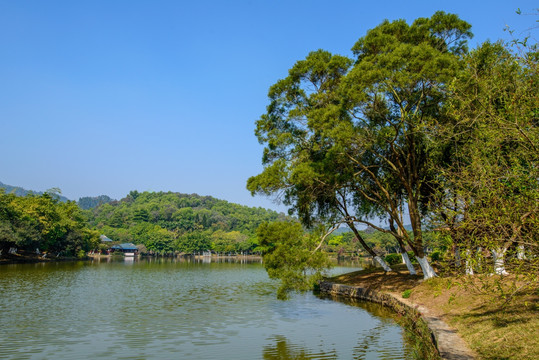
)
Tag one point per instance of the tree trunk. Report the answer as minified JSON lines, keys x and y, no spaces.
{"x":381,"y":261}
{"x":406,"y":260}
{"x":402,"y":248}
{"x":428,"y":271}
{"x":457,"y":256}
{"x":469,"y":268}
{"x":499,"y":263}
{"x":415,"y":219}
{"x":520,"y":253}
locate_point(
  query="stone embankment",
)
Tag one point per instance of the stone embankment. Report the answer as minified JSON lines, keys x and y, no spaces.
{"x":446,"y":340}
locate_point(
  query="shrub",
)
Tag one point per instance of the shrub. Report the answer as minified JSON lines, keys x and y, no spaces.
{"x":411,"y":255}
{"x":406,"y":294}
{"x":393,"y":259}
{"x":436,"y":256}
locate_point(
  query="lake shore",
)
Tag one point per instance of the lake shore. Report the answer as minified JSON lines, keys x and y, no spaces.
{"x":490,"y":331}
{"x":31,"y":258}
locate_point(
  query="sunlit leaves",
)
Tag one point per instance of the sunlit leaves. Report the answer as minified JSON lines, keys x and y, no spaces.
{"x":289,"y":256}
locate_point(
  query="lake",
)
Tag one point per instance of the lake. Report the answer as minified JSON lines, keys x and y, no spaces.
{"x":180,"y":308}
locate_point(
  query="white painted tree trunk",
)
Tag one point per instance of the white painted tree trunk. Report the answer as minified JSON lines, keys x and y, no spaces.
{"x":428,"y":271}
{"x":469,"y":268}
{"x":479,"y":265}
{"x":499,"y":263}
{"x":382,"y":262}
{"x":520,"y":253}
{"x":406,"y":260}
{"x":457,"y":256}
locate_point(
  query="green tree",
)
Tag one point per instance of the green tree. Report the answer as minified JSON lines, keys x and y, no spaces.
{"x":491,"y":191}
{"x":396,"y":95}
{"x":44,"y":222}
{"x":192,"y":242}
{"x":347,"y":144}
{"x":303,"y":157}
{"x":290,"y":256}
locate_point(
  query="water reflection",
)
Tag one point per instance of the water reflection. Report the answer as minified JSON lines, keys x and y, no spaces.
{"x":197,"y":259}
{"x":281,"y":348}
{"x":162,"y":308}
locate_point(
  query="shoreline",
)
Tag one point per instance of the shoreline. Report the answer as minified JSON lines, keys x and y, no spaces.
{"x":34,"y":259}
{"x":445,"y":339}
{"x":472,"y":307}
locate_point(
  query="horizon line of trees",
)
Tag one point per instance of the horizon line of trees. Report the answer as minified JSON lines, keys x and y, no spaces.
{"x":166,"y":222}
{"x":157,"y":222}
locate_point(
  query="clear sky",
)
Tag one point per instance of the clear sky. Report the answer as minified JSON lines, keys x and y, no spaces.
{"x":104,"y":97}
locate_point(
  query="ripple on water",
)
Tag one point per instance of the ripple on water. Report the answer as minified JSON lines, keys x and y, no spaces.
{"x":166,"y":309}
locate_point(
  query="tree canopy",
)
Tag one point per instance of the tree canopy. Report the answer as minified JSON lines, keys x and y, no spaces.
{"x":415,"y":129}
{"x":45,"y":223}
{"x":167,"y":221}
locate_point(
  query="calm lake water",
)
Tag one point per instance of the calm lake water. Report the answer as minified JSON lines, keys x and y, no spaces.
{"x":172,"y":309}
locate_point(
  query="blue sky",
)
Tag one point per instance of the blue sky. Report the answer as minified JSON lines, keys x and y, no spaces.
{"x":104,"y":97}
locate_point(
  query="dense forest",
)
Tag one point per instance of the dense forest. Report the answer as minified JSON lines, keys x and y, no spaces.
{"x":89,"y":202}
{"x":156,"y":222}
{"x":167,"y":221}
{"x":44,"y":224}
{"x":19,"y":191}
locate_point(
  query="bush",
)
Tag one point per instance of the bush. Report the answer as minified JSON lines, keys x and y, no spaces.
{"x":406,"y":294}
{"x":393,"y":259}
{"x":411,"y":255}
{"x":436,"y":256}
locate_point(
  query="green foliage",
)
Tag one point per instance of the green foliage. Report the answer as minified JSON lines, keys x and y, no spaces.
{"x":348,"y":140}
{"x":436,"y":256}
{"x":16,"y":190}
{"x":488,"y":178}
{"x":419,"y":336}
{"x":411,"y":255}
{"x":393,"y":259}
{"x":192,"y":242}
{"x":406,"y":294}
{"x":166,"y":222}
{"x":45,"y":223}
{"x":290,"y":256}
{"x":87,"y":202}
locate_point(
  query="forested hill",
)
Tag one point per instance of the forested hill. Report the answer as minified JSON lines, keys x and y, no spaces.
{"x":89,"y":202}
{"x":179,"y":222}
{"x":19,"y":191}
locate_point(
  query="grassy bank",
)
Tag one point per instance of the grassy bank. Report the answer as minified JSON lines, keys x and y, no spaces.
{"x":492,"y":327}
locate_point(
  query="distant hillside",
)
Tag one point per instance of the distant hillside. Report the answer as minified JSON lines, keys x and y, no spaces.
{"x":19,"y":191}
{"x":168,"y":221}
{"x":90,"y":202}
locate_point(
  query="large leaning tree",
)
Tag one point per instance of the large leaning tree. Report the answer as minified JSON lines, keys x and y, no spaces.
{"x":396,"y":95}
{"x":304,"y":159}
{"x":350,"y":140}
